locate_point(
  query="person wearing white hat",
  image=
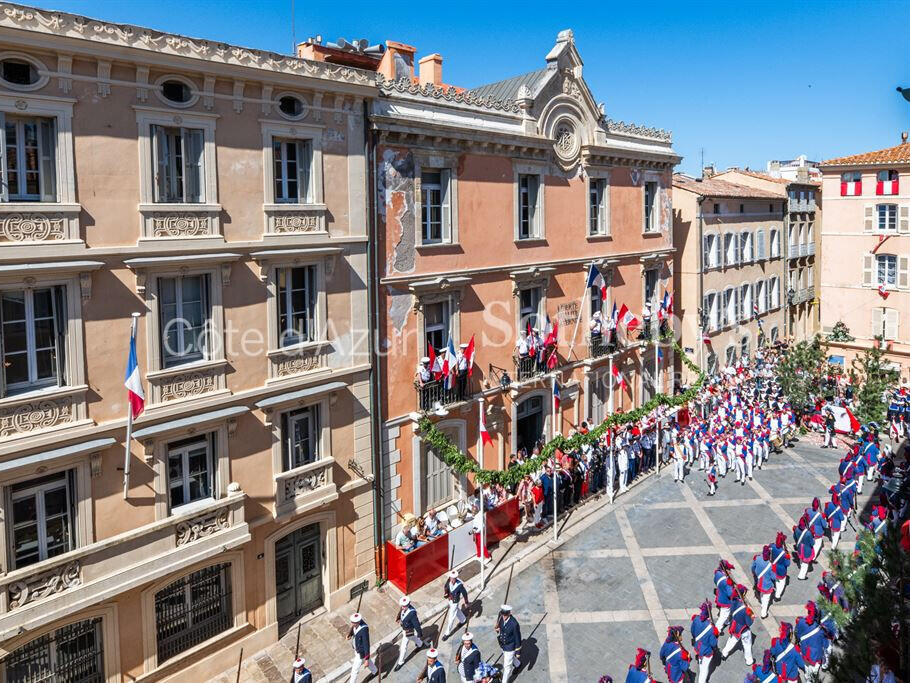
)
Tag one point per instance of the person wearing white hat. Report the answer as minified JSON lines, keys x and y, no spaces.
{"x":300,"y":674}
{"x":461,"y":375}
{"x":508,"y":633}
{"x":457,"y":595}
{"x":359,"y":635}
{"x":467,"y":658}
{"x":435,"y":671}
{"x":410,"y":629}
{"x":422,"y":377}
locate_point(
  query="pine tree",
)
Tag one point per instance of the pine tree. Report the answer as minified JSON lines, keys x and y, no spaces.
{"x":801,"y":370}
{"x":873,"y":379}
{"x":878,"y":624}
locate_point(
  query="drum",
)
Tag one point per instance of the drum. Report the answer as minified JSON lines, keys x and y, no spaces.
{"x":776,"y":441}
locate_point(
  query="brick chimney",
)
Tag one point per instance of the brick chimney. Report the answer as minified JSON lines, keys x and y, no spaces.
{"x":431,"y":69}
{"x":398,"y":61}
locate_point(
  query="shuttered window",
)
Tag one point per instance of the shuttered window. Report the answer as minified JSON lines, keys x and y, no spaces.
{"x":29,"y":159}
{"x":32,"y":336}
{"x":438,"y":478}
{"x":293,"y":161}
{"x":178,"y":165}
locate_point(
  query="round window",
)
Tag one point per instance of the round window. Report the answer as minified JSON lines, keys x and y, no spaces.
{"x":19,"y":72}
{"x":290,"y":106}
{"x":176,"y":91}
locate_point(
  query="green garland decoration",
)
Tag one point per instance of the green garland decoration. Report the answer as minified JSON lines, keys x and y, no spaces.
{"x":464,"y":464}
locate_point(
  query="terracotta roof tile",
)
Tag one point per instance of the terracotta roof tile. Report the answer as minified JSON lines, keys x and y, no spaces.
{"x":892,"y":155}
{"x":771,"y":178}
{"x":713,"y":187}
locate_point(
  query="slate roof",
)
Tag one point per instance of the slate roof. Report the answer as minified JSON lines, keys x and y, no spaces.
{"x":508,"y":89}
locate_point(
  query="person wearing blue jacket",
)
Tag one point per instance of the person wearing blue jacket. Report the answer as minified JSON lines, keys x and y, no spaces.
{"x":410,"y":629}
{"x":723,"y":592}
{"x":704,"y":640}
{"x":813,"y":641}
{"x":741,"y":620}
{"x":818,"y":525}
{"x":834,"y":515}
{"x":765,"y":672}
{"x":509,"y":635}
{"x":637,"y":670}
{"x":804,"y":545}
{"x":674,"y":656}
{"x":301,"y":674}
{"x":359,"y":635}
{"x":787,"y":658}
{"x":763,"y":573}
{"x":780,"y":561}
{"x":467,"y":658}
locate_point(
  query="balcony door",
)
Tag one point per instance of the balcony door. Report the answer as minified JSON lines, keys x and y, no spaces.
{"x":530,"y":423}
{"x":298,"y":575}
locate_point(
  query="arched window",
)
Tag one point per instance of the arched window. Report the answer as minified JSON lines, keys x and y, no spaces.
{"x":73,"y":652}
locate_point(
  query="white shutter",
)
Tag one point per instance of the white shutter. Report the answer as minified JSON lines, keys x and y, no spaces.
{"x":305,"y":175}
{"x":903,"y":272}
{"x":4,"y":180}
{"x":876,"y":322}
{"x":891,"y":324}
{"x":533,"y":202}
{"x":869,"y":222}
{"x":192,"y":162}
{"x":761,"y":244}
{"x":445,"y":193}
{"x":868,"y":262}
{"x":159,"y":162}
{"x":47,"y":144}
{"x":903,"y":224}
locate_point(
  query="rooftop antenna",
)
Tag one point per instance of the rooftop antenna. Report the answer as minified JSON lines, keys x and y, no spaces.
{"x":293,"y":31}
{"x":702,"y":162}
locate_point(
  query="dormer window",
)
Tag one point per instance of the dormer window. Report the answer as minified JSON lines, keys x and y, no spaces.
{"x":886,"y":183}
{"x":177,"y":91}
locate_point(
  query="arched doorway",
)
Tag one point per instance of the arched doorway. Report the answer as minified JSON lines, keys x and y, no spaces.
{"x":529,"y":424}
{"x":298,"y":575}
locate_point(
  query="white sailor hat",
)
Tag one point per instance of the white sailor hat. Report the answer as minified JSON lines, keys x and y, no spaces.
{"x":534,"y":329}
{"x":356,"y":618}
{"x":432,"y":653}
{"x":466,"y":636}
{"x":299,"y":662}
{"x":425,"y":359}
{"x":404,"y":601}
{"x":453,"y":574}
{"x":462,"y":346}
{"x":505,"y":608}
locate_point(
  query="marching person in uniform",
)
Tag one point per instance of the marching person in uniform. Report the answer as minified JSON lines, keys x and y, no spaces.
{"x":457,"y":595}
{"x":813,"y":641}
{"x":467,"y":658}
{"x":508,"y":633}
{"x":434,"y":672}
{"x":704,"y":640}
{"x":410,"y":629}
{"x":765,"y":672}
{"x":818,"y":525}
{"x":723,"y":592}
{"x":787,"y":658}
{"x":674,"y":656}
{"x":638,"y":669}
{"x":804,"y":545}
{"x":780,"y":561}
{"x":359,"y":635}
{"x":829,"y":429}
{"x":763,"y":571}
{"x":679,"y":461}
{"x":834,"y":515}
{"x":300,"y":673}
{"x":741,"y":621}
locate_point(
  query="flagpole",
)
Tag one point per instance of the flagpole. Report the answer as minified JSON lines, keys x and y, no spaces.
{"x":581,"y":310}
{"x":129,"y":421}
{"x":555,"y":462}
{"x":483,"y":521}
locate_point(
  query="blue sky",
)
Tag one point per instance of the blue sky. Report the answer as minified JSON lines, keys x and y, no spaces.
{"x":746,"y":82}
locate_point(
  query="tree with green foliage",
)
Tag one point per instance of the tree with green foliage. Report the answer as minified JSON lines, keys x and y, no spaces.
{"x":800,"y":371}
{"x":877,"y":627}
{"x":872,"y":378}
{"x":840,"y":333}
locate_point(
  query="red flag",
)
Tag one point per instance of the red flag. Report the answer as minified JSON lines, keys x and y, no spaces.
{"x":883,"y":291}
{"x":627,"y":318}
{"x":553,"y":336}
{"x":431,"y":354}
{"x":619,"y":377}
{"x":469,"y":356}
{"x":854,"y":423}
{"x":532,"y":346}
{"x":485,"y":437}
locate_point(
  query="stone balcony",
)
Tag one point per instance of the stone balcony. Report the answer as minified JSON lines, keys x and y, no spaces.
{"x":304,"y":488}
{"x":39,"y":594}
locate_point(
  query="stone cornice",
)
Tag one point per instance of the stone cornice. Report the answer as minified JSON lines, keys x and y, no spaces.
{"x":67,"y":25}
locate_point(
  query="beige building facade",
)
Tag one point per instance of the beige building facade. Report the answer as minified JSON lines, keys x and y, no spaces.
{"x":730,"y":268}
{"x":865,"y":279}
{"x":219,"y":192}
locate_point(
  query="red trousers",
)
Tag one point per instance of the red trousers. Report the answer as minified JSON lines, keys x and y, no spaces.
{"x":486,"y":552}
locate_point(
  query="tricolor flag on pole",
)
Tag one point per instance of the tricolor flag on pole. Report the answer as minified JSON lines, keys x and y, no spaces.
{"x":618,"y":377}
{"x":450,"y":364}
{"x":485,"y":437}
{"x":555,"y":395}
{"x":135,"y":400}
{"x":469,"y":356}
{"x":666,"y":306}
{"x":614,"y":318}
{"x":596,"y":279}
{"x":627,"y":318}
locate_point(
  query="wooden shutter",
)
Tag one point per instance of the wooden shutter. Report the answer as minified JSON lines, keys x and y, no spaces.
{"x":903,"y":223}
{"x":903,"y":272}
{"x":876,"y":322}
{"x":868,"y":263}
{"x":869,"y":222}
{"x":60,"y":319}
{"x":534,"y":205}
{"x":445,"y":193}
{"x":4,"y":179}
{"x":305,"y":176}
{"x":192,"y":161}
{"x":891,"y":320}
{"x":760,"y":235}
{"x":159,"y":162}
{"x":47,"y":145}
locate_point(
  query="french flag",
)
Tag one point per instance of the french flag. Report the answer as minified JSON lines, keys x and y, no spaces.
{"x":595,"y":279}
{"x":666,"y":306}
{"x":555,"y":395}
{"x":133,"y":381}
{"x":627,"y":318}
{"x":614,"y":318}
{"x":469,"y":356}
{"x":450,"y":364}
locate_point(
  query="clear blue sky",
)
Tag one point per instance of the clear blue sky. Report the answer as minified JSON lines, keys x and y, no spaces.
{"x":745,"y":81}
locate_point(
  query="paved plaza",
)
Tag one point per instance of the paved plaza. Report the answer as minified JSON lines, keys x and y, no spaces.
{"x":619,"y":575}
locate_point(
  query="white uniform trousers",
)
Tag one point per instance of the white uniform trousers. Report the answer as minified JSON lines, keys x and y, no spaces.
{"x":704,"y":665}
{"x":803,"y":570}
{"x":740,"y":469}
{"x":623,"y":480}
{"x":712,"y":488}
{"x":779,"y":585}
{"x":356,"y":665}
{"x":829,"y":438}
{"x":835,"y":537}
{"x":509,"y":664}
{"x":454,"y":613}
{"x":403,"y":646}
{"x":722,"y":617}
{"x":765,"y":603}
{"x":870,"y":472}
{"x":748,"y":465}
{"x":679,"y":469}
{"x":813,"y":668}
{"x":859,"y":485}
{"x":818,"y":545}
{"x":747,"y":645}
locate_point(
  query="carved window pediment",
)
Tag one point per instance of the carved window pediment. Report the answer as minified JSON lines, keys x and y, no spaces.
{"x":438,"y":289}
{"x":538,"y":276}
